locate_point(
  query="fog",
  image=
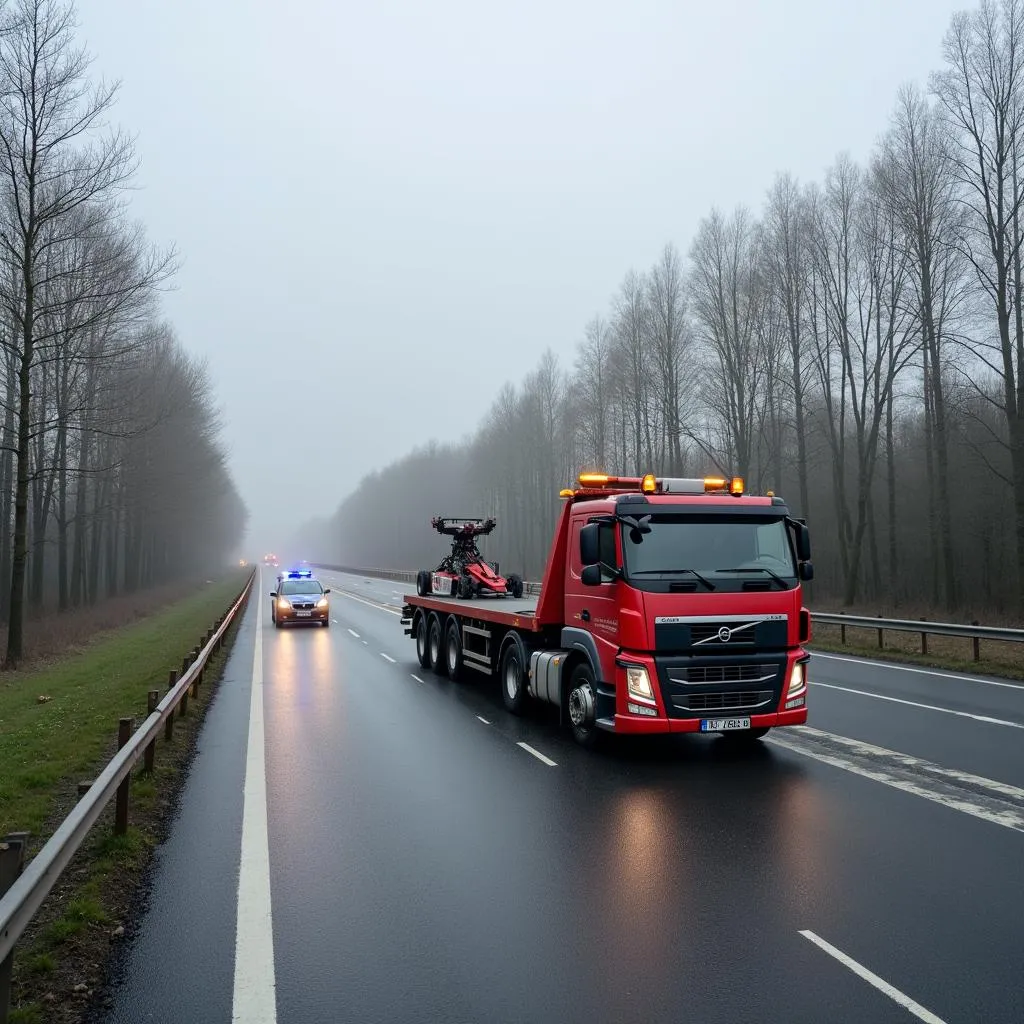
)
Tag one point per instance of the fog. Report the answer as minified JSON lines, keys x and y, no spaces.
{"x":387,"y":210}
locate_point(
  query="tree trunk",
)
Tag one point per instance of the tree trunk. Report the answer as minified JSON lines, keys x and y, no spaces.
{"x":15,"y":626}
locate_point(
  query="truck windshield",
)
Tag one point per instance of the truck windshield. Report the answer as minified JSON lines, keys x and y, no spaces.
{"x":712,"y":546}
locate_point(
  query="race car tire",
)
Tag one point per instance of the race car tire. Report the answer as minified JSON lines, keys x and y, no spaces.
{"x":515,"y":586}
{"x":423,"y":583}
{"x":467,"y":588}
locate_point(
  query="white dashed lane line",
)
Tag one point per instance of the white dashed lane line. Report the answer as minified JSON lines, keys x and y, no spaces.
{"x":873,"y":979}
{"x":417,"y":678}
{"x":537,"y":754}
{"x":482,"y":719}
{"x":387,"y":657}
{"x":354,"y":633}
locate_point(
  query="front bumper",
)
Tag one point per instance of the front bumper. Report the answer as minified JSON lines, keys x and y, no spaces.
{"x":635,"y":724}
{"x":690,"y":690}
{"x":317,"y":615}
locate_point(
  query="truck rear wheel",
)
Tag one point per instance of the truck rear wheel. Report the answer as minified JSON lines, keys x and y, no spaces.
{"x":581,"y":706}
{"x":435,"y":643}
{"x":422,"y":641}
{"x":453,"y":651}
{"x":513,"y":679}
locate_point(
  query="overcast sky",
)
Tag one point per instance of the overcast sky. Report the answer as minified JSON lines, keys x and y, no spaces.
{"x":385,"y":210}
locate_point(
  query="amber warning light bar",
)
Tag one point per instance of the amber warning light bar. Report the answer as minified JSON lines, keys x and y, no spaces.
{"x":651,"y":484}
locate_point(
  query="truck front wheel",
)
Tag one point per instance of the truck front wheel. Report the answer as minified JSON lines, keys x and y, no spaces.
{"x":513,"y":679}
{"x":581,"y":706}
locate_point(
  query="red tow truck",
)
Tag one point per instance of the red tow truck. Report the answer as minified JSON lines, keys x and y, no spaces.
{"x":667,"y":605}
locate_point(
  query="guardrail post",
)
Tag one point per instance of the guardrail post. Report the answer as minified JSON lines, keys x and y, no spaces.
{"x":199,"y":675}
{"x":148,"y":762}
{"x":976,"y":641}
{"x":172,"y":678}
{"x":125,"y":728}
{"x":83,"y":788}
{"x":12,"y":860}
{"x":924,"y":639}
{"x":881,"y":642}
{"x":842,"y":633}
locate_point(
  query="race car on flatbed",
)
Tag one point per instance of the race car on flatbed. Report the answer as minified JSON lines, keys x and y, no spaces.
{"x":464,"y":572}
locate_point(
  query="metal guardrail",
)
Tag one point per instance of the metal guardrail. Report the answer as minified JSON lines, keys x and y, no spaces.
{"x":925,"y":627}
{"x":28,"y":888}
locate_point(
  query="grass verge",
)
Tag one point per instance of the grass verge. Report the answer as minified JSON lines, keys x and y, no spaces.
{"x":1005,"y":660}
{"x":47,"y":746}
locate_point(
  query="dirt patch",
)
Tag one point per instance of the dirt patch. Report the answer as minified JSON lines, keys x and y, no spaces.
{"x":65,"y":962}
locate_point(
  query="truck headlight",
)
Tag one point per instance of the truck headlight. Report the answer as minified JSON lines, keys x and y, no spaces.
{"x":638,"y":683}
{"x":797,"y":679}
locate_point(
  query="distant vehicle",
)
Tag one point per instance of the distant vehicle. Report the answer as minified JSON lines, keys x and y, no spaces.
{"x":464,"y":572}
{"x":300,"y":598}
{"x":271,"y":560}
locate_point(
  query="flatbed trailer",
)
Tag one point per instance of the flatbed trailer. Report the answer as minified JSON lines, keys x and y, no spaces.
{"x":623,"y":638}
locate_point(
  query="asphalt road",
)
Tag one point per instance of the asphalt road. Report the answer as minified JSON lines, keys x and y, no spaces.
{"x":424,"y":856}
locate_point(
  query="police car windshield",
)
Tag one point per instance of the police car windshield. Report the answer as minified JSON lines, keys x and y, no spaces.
{"x":300,"y":587}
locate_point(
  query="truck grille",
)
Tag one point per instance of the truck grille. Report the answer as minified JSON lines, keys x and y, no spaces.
{"x":710,"y":634}
{"x":723,"y":701}
{"x":697,"y":674}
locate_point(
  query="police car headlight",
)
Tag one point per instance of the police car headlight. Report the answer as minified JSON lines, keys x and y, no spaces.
{"x":322,"y":603}
{"x":283,"y":604}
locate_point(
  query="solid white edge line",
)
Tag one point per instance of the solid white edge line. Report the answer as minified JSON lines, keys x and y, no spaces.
{"x":254,"y":1000}
{"x":387,"y":657}
{"x":873,"y":979}
{"x":1010,"y":818}
{"x":537,"y":754}
{"x":927,"y":707}
{"x":482,"y":719}
{"x":958,"y":676}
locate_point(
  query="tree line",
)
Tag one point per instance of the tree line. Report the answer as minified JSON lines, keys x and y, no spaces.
{"x":856,"y":345}
{"x":112,"y":473}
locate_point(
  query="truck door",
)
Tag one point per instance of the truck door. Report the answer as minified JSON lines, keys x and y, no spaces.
{"x":592,"y":613}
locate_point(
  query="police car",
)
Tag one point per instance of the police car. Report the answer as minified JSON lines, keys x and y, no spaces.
{"x":300,"y":597}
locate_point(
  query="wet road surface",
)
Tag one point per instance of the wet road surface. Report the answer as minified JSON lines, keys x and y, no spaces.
{"x":432,"y":858}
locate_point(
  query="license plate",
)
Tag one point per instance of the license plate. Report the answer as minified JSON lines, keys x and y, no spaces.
{"x":723,"y":724}
{"x":303,"y":615}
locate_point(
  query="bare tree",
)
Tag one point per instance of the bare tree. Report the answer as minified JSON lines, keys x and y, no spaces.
{"x":980,"y":96}
{"x":54,"y":160}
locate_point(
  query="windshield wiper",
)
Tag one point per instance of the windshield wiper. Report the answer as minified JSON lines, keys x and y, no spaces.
{"x":760,"y":568}
{"x":654,"y":572}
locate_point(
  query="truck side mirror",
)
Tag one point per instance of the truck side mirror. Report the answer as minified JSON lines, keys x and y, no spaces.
{"x":591,"y":575}
{"x":590,"y":548}
{"x":806,"y":571}
{"x":802,"y":537}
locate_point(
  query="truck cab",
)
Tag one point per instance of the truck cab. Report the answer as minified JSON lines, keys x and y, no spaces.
{"x":684,"y":599}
